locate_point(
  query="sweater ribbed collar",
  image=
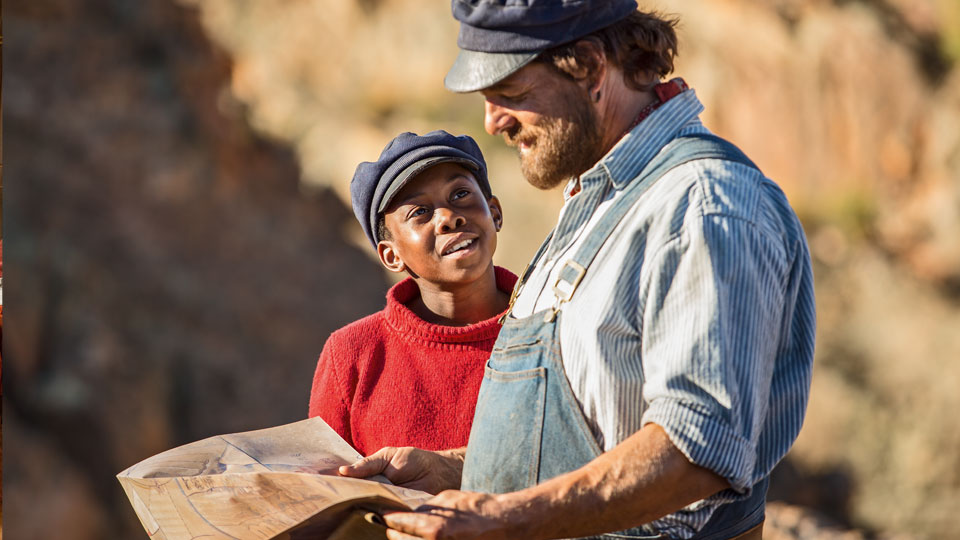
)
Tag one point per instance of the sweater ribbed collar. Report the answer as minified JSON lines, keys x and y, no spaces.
{"x":406,"y":323}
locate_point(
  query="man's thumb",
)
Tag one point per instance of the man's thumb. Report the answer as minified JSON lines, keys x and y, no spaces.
{"x":373,"y":464}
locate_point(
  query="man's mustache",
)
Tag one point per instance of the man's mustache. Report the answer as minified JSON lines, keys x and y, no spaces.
{"x":517,"y":135}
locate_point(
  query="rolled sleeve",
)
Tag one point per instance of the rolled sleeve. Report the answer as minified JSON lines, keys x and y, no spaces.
{"x":711,"y":324}
{"x":704,"y":439}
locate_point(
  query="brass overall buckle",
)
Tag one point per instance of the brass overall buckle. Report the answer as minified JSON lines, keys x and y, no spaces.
{"x":561,"y":294}
{"x":513,"y":295}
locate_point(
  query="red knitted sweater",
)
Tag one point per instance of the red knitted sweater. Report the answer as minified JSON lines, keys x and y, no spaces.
{"x":393,"y":379}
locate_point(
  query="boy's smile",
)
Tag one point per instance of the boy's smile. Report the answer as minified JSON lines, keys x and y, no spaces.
{"x":458,"y":247}
{"x":442,"y":228}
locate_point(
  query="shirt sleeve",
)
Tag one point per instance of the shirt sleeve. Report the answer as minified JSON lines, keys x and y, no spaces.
{"x":711,"y":326}
{"x":329,"y":397}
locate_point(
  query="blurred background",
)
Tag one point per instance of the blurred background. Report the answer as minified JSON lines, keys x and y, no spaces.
{"x":179,"y":242}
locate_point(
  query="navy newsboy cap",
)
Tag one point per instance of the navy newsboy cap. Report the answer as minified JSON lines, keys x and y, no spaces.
{"x":375,"y":183}
{"x":497,"y":38}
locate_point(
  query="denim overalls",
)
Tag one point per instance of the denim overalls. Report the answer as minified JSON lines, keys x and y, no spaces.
{"x":528,"y":426}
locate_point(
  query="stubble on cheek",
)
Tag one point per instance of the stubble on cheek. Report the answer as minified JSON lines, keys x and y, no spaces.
{"x":562,"y":148}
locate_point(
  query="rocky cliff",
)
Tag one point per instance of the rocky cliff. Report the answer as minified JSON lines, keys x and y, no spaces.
{"x":168,"y":276}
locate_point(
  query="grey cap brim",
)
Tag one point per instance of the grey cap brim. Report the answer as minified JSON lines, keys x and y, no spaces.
{"x":413,"y":170}
{"x":476,"y":70}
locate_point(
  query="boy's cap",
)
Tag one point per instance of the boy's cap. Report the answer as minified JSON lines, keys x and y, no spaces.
{"x":496,"y":40}
{"x":375,"y":183}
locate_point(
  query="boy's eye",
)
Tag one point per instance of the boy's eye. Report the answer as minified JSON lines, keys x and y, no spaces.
{"x":418,"y":211}
{"x":461,"y":193}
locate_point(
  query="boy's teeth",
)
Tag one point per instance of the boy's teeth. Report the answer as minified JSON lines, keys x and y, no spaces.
{"x":459,"y":246}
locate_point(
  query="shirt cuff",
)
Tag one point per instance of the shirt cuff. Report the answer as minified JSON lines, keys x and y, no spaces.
{"x":705,"y":440}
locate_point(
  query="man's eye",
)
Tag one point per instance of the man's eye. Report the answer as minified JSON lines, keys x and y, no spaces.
{"x":418,"y":212}
{"x":461,"y":193}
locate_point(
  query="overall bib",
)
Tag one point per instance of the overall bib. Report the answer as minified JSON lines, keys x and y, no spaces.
{"x":528,"y":426}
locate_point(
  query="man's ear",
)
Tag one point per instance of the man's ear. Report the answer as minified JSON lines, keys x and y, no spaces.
{"x":594,"y":67}
{"x":496,"y":211}
{"x":389,"y":257}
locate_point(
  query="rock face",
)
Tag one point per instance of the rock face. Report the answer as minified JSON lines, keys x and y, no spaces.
{"x":173,"y":270}
{"x":168,"y":278}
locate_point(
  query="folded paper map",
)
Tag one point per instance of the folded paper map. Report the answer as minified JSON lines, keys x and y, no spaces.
{"x":276,"y":483}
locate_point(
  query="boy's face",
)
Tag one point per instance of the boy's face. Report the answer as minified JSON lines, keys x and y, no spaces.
{"x":443,"y":229}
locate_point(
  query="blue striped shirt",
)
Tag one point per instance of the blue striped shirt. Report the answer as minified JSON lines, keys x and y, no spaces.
{"x":697,"y":314}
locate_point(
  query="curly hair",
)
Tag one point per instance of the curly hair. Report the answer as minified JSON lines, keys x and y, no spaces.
{"x":641,"y":44}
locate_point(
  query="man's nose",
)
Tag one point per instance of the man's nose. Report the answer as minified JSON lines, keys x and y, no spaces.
{"x":496,"y":118}
{"x":448,"y":219}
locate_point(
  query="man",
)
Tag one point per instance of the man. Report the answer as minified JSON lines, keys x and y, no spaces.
{"x":656,"y":363}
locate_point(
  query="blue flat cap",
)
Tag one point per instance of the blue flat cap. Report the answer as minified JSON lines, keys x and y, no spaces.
{"x":498,"y":38}
{"x":375,"y":183}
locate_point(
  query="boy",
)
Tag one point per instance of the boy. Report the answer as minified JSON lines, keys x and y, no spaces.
{"x":409,"y":375}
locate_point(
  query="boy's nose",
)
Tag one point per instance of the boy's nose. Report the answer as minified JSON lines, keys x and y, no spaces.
{"x":448,"y":220}
{"x":496,"y":118}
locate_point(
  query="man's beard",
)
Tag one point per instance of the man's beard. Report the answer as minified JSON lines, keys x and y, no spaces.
{"x":563,"y":146}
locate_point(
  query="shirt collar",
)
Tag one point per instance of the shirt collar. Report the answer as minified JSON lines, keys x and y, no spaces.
{"x":632,"y":153}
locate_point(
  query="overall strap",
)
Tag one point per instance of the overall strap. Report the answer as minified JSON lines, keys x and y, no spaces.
{"x":536,"y":257}
{"x":679,"y":151}
{"x":526,"y":274}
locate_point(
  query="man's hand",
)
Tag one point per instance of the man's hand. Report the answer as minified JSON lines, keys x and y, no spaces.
{"x":455,"y":515}
{"x":643,"y":478}
{"x":412,"y":468}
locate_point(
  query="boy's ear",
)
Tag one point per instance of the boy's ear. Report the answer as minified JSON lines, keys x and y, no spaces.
{"x":389,"y":257}
{"x":496,"y":211}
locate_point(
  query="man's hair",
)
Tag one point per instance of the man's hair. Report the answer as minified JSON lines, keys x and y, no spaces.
{"x":641,"y":44}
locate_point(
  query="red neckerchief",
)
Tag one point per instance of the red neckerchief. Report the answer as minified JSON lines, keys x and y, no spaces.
{"x":664,"y":92}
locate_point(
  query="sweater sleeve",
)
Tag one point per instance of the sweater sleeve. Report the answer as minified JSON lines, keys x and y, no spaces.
{"x":329,"y":397}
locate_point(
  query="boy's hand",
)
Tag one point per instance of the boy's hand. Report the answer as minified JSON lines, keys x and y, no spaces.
{"x":413,"y":468}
